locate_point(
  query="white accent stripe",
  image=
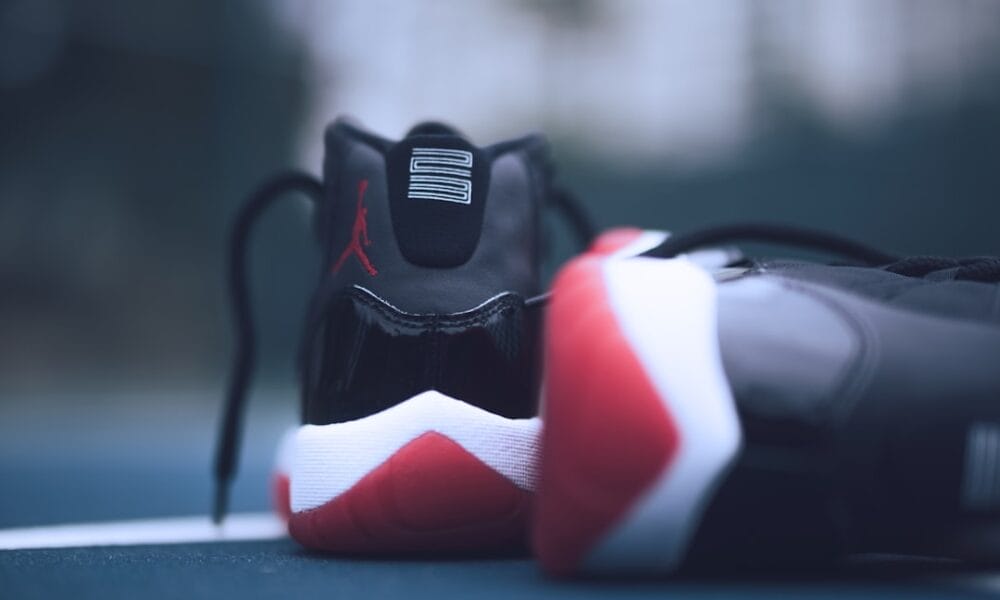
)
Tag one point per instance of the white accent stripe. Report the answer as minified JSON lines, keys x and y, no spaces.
{"x":441,"y":174}
{"x":284,"y":459}
{"x":448,"y":156}
{"x":171,"y":530}
{"x":714,"y":258}
{"x":437,"y":187}
{"x":706,"y":258}
{"x":647,"y":240}
{"x":667,"y":311}
{"x":330,"y":459}
{"x":467,"y":311}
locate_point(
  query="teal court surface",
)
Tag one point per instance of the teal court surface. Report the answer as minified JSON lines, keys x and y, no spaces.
{"x":88,"y":469}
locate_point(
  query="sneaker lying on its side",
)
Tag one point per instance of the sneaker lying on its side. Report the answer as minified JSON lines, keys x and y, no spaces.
{"x":769,"y":413}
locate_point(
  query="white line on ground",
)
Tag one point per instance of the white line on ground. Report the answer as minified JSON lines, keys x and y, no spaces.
{"x":170,"y":530}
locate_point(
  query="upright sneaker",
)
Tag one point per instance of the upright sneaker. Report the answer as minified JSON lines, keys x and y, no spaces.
{"x":420,"y":357}
{"x":772,"y":412}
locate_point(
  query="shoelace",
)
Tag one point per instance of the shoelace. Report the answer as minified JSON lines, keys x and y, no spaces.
{"x":246,"y":344}
{"x":242,"y":368}
{"x":770,"y":233}
{"x":979,"y":268}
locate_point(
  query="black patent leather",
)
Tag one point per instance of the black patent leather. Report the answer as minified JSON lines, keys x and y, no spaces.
{"x":369,"y":356}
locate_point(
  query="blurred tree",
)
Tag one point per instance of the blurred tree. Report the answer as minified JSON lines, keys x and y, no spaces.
{"x":130,"y":132}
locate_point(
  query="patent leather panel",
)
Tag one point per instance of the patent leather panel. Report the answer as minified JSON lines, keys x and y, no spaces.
{"x":370,"y":356}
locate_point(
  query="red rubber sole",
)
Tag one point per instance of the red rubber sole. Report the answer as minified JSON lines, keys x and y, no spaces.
{"x":606,"y":436}
{"x":431,"y":496}
{"x":281,"y":497}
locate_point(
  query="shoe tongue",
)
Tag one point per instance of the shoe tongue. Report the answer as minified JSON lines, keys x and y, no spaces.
{"x":432,"y":128}
{"x":438,"y":183}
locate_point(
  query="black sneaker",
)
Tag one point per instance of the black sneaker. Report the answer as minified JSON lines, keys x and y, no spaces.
{"x":771,"y":413}
{"x":420,"y":358}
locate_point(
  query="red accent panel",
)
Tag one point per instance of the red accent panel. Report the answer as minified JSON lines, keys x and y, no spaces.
{"x":281,"y":496}
{"x":606,"y":434}
{"x":431,"y":496}
{"x":614,"y":240}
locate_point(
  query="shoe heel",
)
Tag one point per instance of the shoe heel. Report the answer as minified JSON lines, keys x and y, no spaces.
{"x":639,"y":420}
{"x":432,"y":474}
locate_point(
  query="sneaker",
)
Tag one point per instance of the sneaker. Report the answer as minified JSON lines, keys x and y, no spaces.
{"x":769,"y":413}
{"x":420,"y":358}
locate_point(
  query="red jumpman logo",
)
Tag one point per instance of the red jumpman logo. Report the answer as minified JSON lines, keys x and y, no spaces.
{"x":359,"y":235}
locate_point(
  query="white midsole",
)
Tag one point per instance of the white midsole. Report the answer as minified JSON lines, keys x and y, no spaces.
{"x":329,"y":459}
{"x":666,"y":309}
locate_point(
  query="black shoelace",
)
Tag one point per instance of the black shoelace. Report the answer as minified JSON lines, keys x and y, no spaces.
{"x":979,"y":268}
{"x":246,"y":342}
{"x":242,"y":368}
{"x":767,"y":233}
{"x":813,"y":239}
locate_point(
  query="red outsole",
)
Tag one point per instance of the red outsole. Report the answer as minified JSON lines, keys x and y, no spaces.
{"x":606,"y":435}
{"x":431,"y":496}
{"x":281,"y":496}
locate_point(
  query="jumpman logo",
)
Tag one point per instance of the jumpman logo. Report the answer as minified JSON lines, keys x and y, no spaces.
{"x":359,"y":235}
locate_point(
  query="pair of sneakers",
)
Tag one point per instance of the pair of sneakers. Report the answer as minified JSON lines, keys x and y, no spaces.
{"x":699,"y":408}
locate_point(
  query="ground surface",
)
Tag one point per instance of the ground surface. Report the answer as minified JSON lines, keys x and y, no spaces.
{"x":88,"y":457}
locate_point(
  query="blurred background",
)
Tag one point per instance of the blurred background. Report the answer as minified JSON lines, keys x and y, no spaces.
{"x":131,"y":131}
